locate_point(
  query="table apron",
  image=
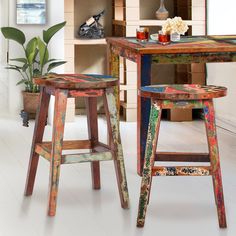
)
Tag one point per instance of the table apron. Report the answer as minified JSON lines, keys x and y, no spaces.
{"x":124,"y":52}
{"x":187,"y":58}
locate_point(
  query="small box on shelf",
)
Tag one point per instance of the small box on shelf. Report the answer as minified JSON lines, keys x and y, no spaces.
{"x":179,"y":114}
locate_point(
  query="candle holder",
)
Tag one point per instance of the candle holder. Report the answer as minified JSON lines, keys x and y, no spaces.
{"x":142,"y":34}
{"x":163,"y":39}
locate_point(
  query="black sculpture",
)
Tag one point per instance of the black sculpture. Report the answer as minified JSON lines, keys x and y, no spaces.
{"x":92,"y":29}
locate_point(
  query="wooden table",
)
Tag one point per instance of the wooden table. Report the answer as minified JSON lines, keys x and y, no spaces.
{"x":188,"y":50}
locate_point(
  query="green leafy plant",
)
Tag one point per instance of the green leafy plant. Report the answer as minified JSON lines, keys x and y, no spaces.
{"x":36,"y":61}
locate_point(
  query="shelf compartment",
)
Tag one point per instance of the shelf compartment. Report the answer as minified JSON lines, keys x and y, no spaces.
{"x":150,"y":22}
{"x":90,"y":41}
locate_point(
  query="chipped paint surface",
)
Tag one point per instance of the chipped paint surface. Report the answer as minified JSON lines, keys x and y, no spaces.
{"x":57,"y":141}
{"x":150,"y":170}
{"x":209,"y":115}
{"x":181,"y":171}
{"x":183,"y":92}
{"x":86,"y":93}
{"x":86,"y":157}
{"x":193,"y":49}
{"x":115,"y":65}
{"x":113,"y":108}
{"x":117,"y":50}
{"x":190,"y":104}
{"x":152,"y":136}
{"x":76,"y":81}
{"x":185,"y":58}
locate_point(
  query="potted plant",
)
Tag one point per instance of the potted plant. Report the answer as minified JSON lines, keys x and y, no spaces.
{"x":34,"y":62}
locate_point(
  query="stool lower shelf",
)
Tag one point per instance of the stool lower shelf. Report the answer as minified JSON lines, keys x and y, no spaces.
{"x":99,"y":152}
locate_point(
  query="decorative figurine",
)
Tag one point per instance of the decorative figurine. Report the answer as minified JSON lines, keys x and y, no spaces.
{"x":92,"y":29}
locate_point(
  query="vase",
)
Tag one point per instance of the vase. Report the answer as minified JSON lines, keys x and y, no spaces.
{"x":162,"y":13}
{"x":175,"y":37}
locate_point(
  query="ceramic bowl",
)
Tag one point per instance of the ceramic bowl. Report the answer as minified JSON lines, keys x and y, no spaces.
{"x":154,"y":37}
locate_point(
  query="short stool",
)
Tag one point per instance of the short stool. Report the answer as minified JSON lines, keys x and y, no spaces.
{"x":90,"y":87}
{"x":181,"y":96}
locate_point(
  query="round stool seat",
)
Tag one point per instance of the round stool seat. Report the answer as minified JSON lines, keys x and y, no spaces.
{"x":76,"y":81}
{"x":183,"y":91}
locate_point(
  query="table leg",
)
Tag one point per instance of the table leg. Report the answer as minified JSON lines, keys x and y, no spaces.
{"x":113,"y":63}
{"x":143,"y":111}
{"x":113,"y":66}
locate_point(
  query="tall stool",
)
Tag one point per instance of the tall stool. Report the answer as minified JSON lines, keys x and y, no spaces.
{"x":181,"y":96}
{"x":90,"y":87}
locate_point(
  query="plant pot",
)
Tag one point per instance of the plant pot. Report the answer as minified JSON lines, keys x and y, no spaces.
{"x":30,"y":103}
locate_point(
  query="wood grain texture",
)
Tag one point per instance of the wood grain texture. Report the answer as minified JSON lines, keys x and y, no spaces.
{"x":113,"y":63}
{"x":76,"y":81}
{"x":181,"y":104}
{"x":143,"y":109}
{"x":197,"y":57}
{"x":182,"y":157}
{"x":193,"y":44}
{"x":56,"y":152}
{"x":193,"y":49}
{"x":85,"y":93}
{"x":91,"y":107}
{"x":151,"y":156}
{"x":183,"y":92}
{"x":181,"y":170}
{"x":152,"y":137}
{"x":99,"y":153}
{"x":89,"y":157}
{"x":70,"y":144}
{"x":90,"y":87}
{"x":111,"y":105}
{"x":209,"y":115}
{"x":40,"y":122}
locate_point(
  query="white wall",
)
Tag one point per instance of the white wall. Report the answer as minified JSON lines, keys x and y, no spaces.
{"x":4,"y":89}
{"x":55,"y":14}
{"x":222,"y":20}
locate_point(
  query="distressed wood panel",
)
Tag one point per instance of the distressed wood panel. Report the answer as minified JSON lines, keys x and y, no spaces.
{"x":181,"y":171}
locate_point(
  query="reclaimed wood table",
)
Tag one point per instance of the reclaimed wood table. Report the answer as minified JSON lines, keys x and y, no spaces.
{"x":194,"y":49}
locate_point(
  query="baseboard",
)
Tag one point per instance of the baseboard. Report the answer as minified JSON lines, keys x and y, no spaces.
{"x":226,"y":123}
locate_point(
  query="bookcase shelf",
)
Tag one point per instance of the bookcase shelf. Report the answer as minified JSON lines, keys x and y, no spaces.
{"x":131,"y":14}
{"x":89,"y":42}
{"x":122,"y":18}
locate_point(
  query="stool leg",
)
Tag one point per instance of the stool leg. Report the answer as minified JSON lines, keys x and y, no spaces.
{"x":92,"y":120}
{"x":57,"y":141}
{"x":152,"y":137}
{"x":39,"y":127}
{"x":215,"y":161}
{"x":111,"y":105}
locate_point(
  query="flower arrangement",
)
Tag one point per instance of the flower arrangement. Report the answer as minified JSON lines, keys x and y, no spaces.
{"x":174,"y":25}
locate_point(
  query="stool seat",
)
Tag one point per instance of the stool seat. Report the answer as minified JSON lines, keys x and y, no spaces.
{"x":76,"y":81}
{"x":183,"y":91}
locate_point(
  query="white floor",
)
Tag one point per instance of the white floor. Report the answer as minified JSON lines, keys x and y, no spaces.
{"x":179,"y":205}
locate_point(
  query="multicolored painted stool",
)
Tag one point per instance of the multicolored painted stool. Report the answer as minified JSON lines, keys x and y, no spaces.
{"x":181,"y":96}
{"x":90,"y":87}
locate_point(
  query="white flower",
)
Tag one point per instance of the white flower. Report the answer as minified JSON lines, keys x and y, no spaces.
{"x":174,"y":25}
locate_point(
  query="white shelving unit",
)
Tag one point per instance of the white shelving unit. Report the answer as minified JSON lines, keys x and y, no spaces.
{"x":131,"y":14}
{"x":85,"y":55}
{"x":122,"y":17}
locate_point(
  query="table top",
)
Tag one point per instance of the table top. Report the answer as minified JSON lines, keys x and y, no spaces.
{"x":190,"y":44}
